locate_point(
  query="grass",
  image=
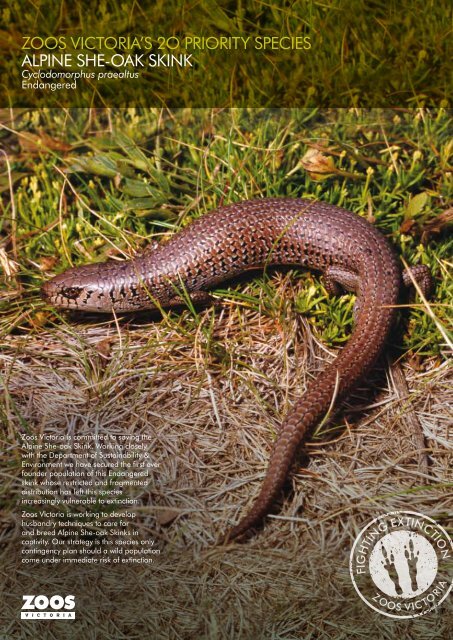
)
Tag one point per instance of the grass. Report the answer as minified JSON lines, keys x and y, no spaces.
{"x":115,"y":179}
{"x":210,"y":387}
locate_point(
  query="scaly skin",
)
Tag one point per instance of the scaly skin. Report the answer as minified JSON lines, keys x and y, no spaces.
{"x":256,"y":233}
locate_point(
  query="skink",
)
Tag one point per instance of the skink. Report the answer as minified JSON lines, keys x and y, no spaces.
{"x":350,"y":252}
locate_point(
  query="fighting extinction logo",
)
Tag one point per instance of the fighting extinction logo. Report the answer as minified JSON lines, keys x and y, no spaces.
{"x":400,"y":564}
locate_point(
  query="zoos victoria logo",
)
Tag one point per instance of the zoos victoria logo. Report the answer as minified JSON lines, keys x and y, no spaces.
{"x":48,"y":608}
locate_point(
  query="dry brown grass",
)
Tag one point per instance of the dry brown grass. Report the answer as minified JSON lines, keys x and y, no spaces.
{"x":213,"y":399}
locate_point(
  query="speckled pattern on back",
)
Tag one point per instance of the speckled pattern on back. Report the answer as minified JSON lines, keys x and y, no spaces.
{"x":254,"y":233}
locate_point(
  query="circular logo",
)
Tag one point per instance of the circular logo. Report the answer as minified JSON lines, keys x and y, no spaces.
{"x":400,"y":563}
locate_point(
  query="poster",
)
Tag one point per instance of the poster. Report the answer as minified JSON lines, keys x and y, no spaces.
{"x":133,"y":442}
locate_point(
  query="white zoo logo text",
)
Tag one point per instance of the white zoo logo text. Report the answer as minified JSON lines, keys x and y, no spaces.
{"x":42,"y":607}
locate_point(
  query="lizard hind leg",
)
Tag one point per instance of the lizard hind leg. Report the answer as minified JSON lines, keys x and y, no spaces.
{"x":337,"y":279}
{"x":422,"y":276}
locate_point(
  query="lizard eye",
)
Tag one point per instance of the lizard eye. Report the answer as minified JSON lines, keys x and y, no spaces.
{"x":71,"y":292}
